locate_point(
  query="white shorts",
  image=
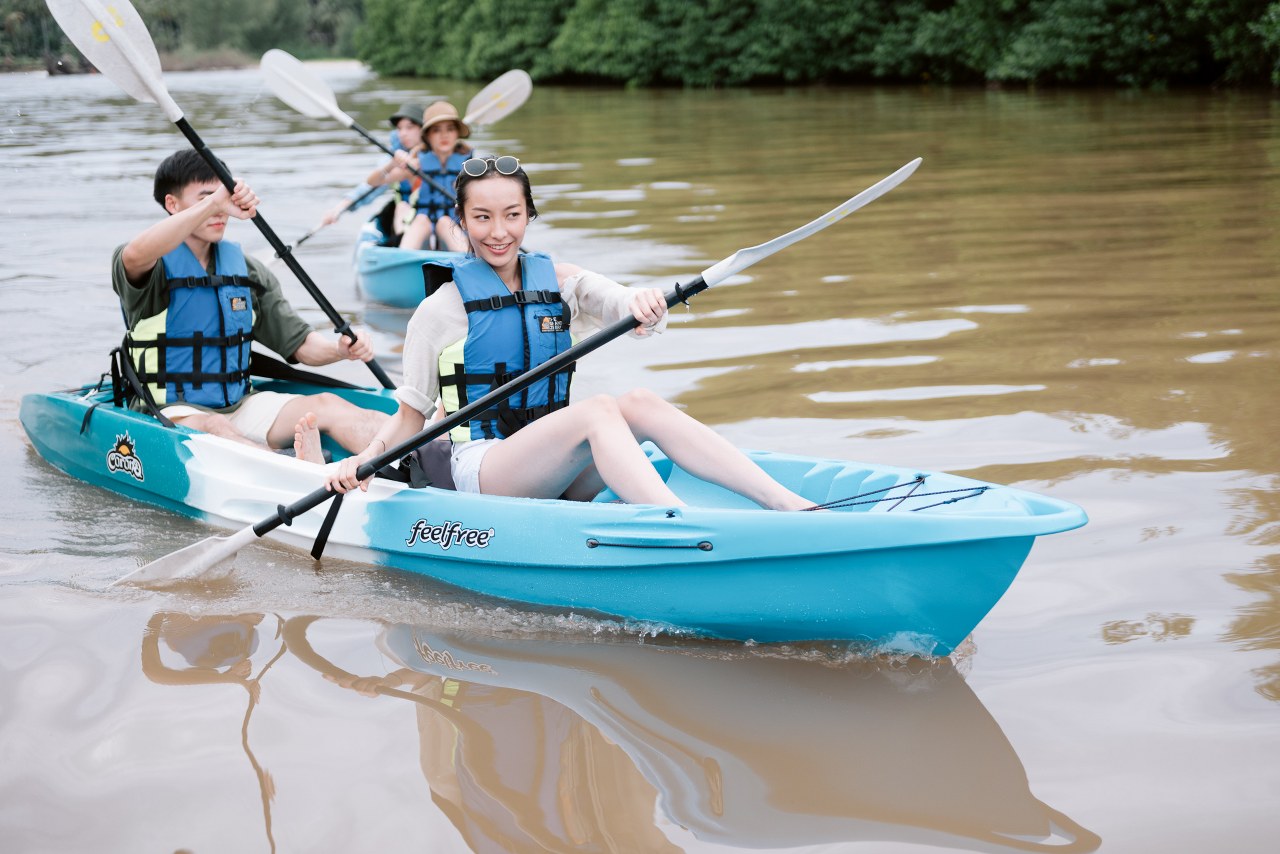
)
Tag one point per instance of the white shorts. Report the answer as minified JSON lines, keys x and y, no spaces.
{"x":252,"y":418}
{"x":465,"y":462}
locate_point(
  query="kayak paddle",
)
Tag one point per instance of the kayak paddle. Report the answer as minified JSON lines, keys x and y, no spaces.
{"x":114,"y":38}
{"x":199,"y":561}
{"x":303,"y":90}
{"x":506,"y":94}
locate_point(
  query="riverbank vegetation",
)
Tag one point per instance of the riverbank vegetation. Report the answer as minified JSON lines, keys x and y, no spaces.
{"x":1128,"y":43}
{"x":1131,"y":43}
{"x":208,"y":34}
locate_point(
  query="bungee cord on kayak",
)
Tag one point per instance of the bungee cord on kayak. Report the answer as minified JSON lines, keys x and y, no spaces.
{"x":852,"y":501}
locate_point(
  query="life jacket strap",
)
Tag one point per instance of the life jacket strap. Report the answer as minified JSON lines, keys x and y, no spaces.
{"x":213,"y":281}
{"x":520,"y":297}
{"x":163,"y":376}
{"x":127,"y":386}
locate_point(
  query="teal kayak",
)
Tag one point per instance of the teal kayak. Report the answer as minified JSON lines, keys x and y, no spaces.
{"x":906,"y":560}
{"x":391,"y":275}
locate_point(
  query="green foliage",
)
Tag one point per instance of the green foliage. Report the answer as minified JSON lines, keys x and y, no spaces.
{"x":1142,"y":43}
{"x":1235,"y":31}
{"x":734,"y":42}
{"x":27,"y":31}
{"x":1267,"y":28}
{"x":307,"y":28}
{"x":1131,"y":42}
{"x":475,"y":39}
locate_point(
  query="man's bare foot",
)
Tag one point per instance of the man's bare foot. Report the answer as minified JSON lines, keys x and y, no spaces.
{"x":306,"y":440}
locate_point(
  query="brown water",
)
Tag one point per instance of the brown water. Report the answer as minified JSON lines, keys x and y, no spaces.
{"x":1076,"y":293}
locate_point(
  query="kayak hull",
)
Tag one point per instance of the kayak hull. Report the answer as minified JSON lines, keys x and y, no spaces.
{"x":915,"y":576}
{"x":391,"y":275}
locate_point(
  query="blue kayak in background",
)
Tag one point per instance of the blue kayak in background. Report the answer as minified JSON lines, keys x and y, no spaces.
{"x":391,"y":275}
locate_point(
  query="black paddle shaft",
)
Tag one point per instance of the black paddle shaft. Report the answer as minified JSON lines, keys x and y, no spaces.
{"x":414,"y":169}
{"x":340,"y":325}
{"x":351,"y":205}
{"x":285,"y":515}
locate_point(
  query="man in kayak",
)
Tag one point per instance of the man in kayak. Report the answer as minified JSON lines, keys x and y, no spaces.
{"x":194,"y":303}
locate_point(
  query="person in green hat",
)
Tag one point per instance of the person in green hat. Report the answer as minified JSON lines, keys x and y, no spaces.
{"x":406,"y":133}
{"x":440,"y":158}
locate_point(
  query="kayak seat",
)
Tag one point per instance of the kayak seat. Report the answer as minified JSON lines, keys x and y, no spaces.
{"x":660,"y":462}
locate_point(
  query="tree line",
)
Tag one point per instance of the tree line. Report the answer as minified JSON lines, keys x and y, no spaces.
{"x":1138,"y":43}
{"x":305,"y":28}
{"x":1131,"y":43}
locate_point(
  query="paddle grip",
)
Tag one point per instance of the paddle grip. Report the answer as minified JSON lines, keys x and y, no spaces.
{"x":282,"y":251}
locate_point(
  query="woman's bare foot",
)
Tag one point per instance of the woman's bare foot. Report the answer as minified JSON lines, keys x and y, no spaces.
{"x":306,"y":440}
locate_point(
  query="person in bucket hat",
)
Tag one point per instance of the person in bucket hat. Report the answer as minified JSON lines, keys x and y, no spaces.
{"x":406,"y":133}
{"x":440,"y":158}
{"x":443,"y":111}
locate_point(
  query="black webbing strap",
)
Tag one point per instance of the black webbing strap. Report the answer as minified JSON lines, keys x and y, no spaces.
{"x":521,"y":297}
{"x":213,"y":281}
{"x":133,"y":387}
{"x":268,"y":367}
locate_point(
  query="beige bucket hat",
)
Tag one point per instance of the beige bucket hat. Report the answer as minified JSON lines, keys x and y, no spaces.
{"x":443,"y":111}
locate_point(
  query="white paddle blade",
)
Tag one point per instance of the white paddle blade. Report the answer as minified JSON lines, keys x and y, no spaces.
{"x":300,"y":87}
{"x":744,"y":258}
{"x":208,"y":560}
{"x":499,"y":99}
{"x":113,"y":37}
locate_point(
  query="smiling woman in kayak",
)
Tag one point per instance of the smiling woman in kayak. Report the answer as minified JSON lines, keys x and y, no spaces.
{"x":505,"y":311}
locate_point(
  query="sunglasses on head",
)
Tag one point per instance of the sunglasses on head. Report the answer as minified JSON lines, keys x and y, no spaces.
{"x":477,"y":166}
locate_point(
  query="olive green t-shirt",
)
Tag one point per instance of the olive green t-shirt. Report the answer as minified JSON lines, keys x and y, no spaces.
{"x":275,"y":324}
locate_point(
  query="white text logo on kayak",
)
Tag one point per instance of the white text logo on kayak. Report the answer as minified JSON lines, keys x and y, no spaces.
{"x":446,"y":535}
{"x":123,"y":457}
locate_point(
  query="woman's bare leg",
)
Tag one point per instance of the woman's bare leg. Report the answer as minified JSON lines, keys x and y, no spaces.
{"x":546,"y":457}
{"x":557,"y":452}
{"x":703,"y":452}
{"x":417,"y":234}
{"x":450,"y":236}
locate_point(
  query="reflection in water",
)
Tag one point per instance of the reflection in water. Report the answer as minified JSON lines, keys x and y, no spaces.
{"x":1157,"y":627}
{"x":552,"y":745}
{"x":178,"y":649}
{"x":1258,"y":627}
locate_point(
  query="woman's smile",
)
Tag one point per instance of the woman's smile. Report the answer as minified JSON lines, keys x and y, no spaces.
{"x":495,"y":219}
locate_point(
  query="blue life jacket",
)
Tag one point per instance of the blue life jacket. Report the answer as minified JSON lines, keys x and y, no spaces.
{"x":431,"y":201}
{"x":507,"y":334}
{"x":197,"y":349}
